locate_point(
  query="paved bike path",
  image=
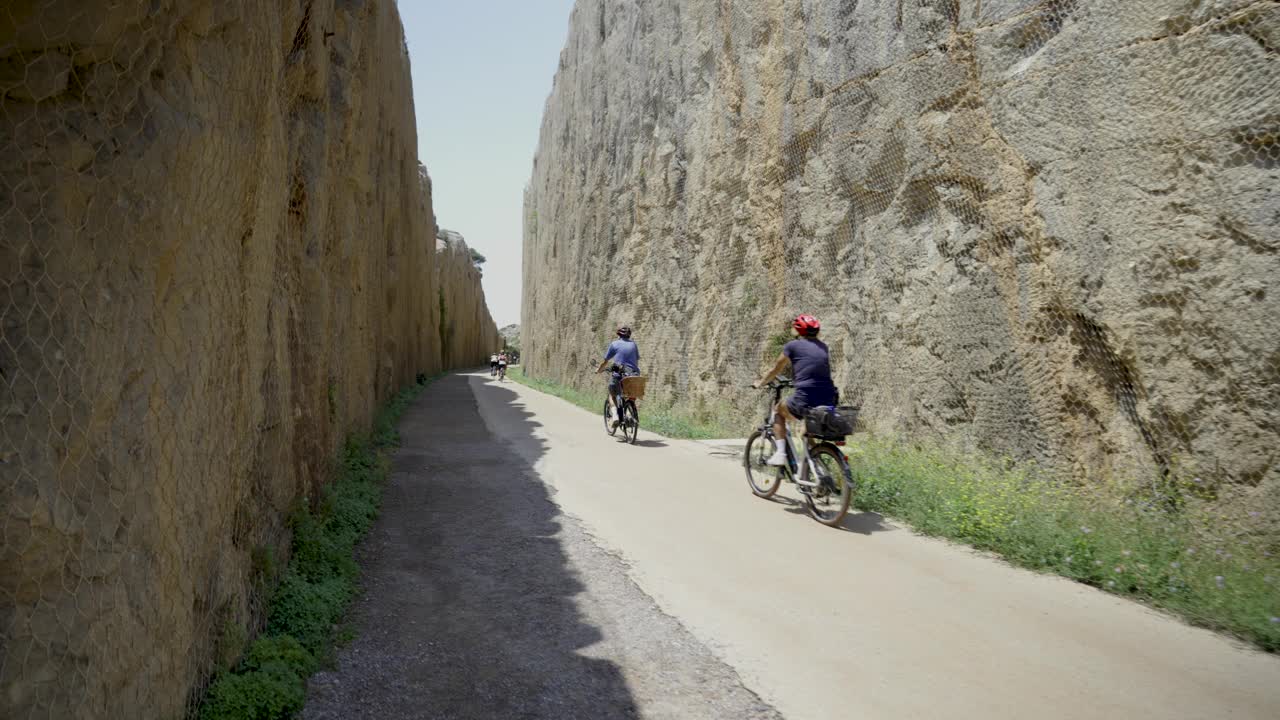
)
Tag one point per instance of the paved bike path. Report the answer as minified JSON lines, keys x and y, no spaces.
{"x":872,"y":621}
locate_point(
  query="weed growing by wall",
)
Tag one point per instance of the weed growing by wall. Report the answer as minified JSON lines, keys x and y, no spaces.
{"x":318,"y":585}
{"x":1204,"y":567}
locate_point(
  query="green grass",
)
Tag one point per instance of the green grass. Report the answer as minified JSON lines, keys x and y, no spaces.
{"x":654,"y":417}
{"x":1176,"y":554}
{"x":1199,"y":565}
{"x":319,"y":583}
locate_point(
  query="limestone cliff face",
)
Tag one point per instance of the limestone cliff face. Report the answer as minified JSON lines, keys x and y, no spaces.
{"x":217,"y":257}
{"x":467,"y":333}
{"x":1043,"y":228}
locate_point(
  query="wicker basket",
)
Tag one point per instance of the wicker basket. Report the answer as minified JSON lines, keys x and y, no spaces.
{"x":633,"y":387}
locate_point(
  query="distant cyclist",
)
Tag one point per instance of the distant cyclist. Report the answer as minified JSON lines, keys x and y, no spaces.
{"x":624,"y":355}
{"x":502,"y":366}
{"x":493,"y":364}
{"x":810,"y":362}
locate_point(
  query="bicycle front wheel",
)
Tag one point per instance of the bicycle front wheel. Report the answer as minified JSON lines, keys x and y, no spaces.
{"x":630,"y":421}
{"x":829,"y":502}
{"x":764,"y":479}
{"x":609,"y":427}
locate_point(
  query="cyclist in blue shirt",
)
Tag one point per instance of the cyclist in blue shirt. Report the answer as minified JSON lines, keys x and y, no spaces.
{"x":810,"y":362}
{"x":625,"y":357}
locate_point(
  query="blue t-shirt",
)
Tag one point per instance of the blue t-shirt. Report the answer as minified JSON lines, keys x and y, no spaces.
{"x":625,"y":353}
{"x":811,"y":371}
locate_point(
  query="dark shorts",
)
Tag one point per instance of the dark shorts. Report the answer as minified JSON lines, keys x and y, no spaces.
{"x":615,"y":379}
{"x":799,"y":404}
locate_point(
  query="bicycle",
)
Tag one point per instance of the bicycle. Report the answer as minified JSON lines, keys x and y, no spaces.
{"x":826,"y":496}
{"x":629,"y":414}
{"x":502,"y":372}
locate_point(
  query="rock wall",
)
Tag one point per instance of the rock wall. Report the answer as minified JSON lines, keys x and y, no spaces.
{"x":217,"y":258}
{"x":467,"y":333}
{"x":1043,"y":228}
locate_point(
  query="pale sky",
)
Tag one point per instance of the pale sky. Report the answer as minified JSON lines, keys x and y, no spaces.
{"x":481,"y":74}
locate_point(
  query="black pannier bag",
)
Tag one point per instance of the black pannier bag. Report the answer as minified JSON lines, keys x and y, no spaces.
{"x":830,"y":423}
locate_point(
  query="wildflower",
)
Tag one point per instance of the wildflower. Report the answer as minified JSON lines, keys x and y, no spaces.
{"x":1254,"y":513}
{"x":1191,"y":551}
{"x":1125,"y":553}
{"x":1197,"y":481}
{"x":1175,"y":565}
{"x":1097,"y":562}
{"x":1085,"y":530}
{"x":1119,"y":568}
{"x":1111,"y":583}
{"x":1275,"y":619}
{"x":1067,"y":559}
{"x":1221,"y":581}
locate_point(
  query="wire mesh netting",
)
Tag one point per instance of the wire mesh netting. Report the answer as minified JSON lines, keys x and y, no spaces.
{"x":216,"y":259}
{"x":965,"y":237}
{"x":1045,"y":230}
{"x":104,"y":461}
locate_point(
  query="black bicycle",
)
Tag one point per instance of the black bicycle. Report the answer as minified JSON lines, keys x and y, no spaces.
{"x":819,"y":471}
{"x":628,"y":413}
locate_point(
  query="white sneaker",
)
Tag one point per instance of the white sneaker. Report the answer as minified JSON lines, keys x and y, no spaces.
{"x":778,"y":458}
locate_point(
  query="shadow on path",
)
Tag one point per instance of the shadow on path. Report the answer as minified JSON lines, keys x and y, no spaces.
{"x":467,"y":609}
{"x":862,"y":523}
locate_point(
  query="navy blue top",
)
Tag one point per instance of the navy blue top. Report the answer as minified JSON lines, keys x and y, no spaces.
{"x":625,"y":353}
{"x":811,"y":371}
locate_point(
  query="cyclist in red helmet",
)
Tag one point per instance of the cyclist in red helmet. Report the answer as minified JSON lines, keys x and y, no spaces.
{"x":810,"y":362}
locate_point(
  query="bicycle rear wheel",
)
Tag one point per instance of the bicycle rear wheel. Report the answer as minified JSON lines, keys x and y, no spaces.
{"x":630,"y":421}
{"x":829,"y":502}
{"x":764,"y":479}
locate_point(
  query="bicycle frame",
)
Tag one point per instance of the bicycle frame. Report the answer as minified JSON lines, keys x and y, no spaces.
{"x":802,"y":460}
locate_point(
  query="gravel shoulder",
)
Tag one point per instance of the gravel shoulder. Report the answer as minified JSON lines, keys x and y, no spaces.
{"x":483,"y":600}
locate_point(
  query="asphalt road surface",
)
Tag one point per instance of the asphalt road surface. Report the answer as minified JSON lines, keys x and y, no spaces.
{"x":526,"y":565}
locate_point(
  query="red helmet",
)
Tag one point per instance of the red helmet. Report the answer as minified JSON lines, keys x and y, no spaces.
{"x":806,"y":324}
